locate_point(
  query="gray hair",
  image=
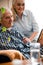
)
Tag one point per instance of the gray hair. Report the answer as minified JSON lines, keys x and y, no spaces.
{"x":4,"y":9}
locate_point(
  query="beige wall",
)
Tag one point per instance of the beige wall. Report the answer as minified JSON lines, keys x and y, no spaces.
{"x":5,"y":3}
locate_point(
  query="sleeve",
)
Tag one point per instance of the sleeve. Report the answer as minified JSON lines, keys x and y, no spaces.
{"x":34,"y":23}
{"x":19,"y":35}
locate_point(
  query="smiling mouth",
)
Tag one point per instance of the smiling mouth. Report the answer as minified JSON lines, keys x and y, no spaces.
{"x":20,"y":9}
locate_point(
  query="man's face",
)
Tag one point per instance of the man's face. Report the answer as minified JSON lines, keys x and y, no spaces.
{"x":19,"y":6}
{"x":7,"y":19}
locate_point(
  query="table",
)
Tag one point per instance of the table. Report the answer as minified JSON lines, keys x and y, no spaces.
{"x":7,"y":63}
{"x":20,"y":62}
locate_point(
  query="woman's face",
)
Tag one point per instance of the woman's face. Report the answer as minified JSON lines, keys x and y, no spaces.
{"x":7,"y":19}
{"x":19,"y":6}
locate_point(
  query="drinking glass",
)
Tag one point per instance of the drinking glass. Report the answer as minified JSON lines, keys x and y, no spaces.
{"x":35,"y":52}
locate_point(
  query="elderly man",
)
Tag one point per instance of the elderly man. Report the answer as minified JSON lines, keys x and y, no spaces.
{"x":10,"y":38}
{"x":25,"y":21}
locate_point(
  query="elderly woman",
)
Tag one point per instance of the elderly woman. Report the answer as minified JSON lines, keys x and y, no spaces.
{"x":10,"y":38}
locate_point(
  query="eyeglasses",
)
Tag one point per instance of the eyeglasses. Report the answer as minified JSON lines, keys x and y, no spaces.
{"x":19,"y":4}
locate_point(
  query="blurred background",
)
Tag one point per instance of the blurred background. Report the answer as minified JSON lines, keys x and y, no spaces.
{"x":35,"y":6}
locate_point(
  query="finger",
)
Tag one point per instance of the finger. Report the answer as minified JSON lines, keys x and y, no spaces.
{"x":24,"y":41}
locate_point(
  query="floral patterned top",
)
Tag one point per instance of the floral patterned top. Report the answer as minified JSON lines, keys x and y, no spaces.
{"x":41,"y":49}
{"x":12,"y":39}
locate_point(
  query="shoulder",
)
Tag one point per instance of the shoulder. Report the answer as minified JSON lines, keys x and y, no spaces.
{"x":14,"y":30}
{"x":28,"y":12}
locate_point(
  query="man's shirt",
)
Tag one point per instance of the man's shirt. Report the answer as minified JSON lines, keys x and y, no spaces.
{"x":12,"y":39}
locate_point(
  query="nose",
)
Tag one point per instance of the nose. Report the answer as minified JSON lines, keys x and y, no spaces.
{"x":21,"y":6}
{"x":11,"y":19}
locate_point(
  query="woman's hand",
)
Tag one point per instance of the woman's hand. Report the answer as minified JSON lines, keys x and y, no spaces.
{"x":25,"y":40}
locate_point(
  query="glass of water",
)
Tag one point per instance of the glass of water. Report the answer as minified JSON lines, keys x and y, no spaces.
{"x":35,"y":52}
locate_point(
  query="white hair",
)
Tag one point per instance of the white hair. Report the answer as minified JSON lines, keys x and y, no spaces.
{"x":9,"y":10}
{"x":6,"y":9}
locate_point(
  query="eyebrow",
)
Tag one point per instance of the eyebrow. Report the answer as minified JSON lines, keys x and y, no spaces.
{"x":19,"y":4}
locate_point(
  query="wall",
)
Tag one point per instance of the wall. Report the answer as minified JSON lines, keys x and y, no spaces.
{"x":36,"y":6}
{"x":5,"y":3}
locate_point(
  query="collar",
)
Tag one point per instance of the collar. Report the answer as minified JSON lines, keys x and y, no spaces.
{"x":4,"y":29}
{"x":9,"y":28}
{"x":24,"y":14}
